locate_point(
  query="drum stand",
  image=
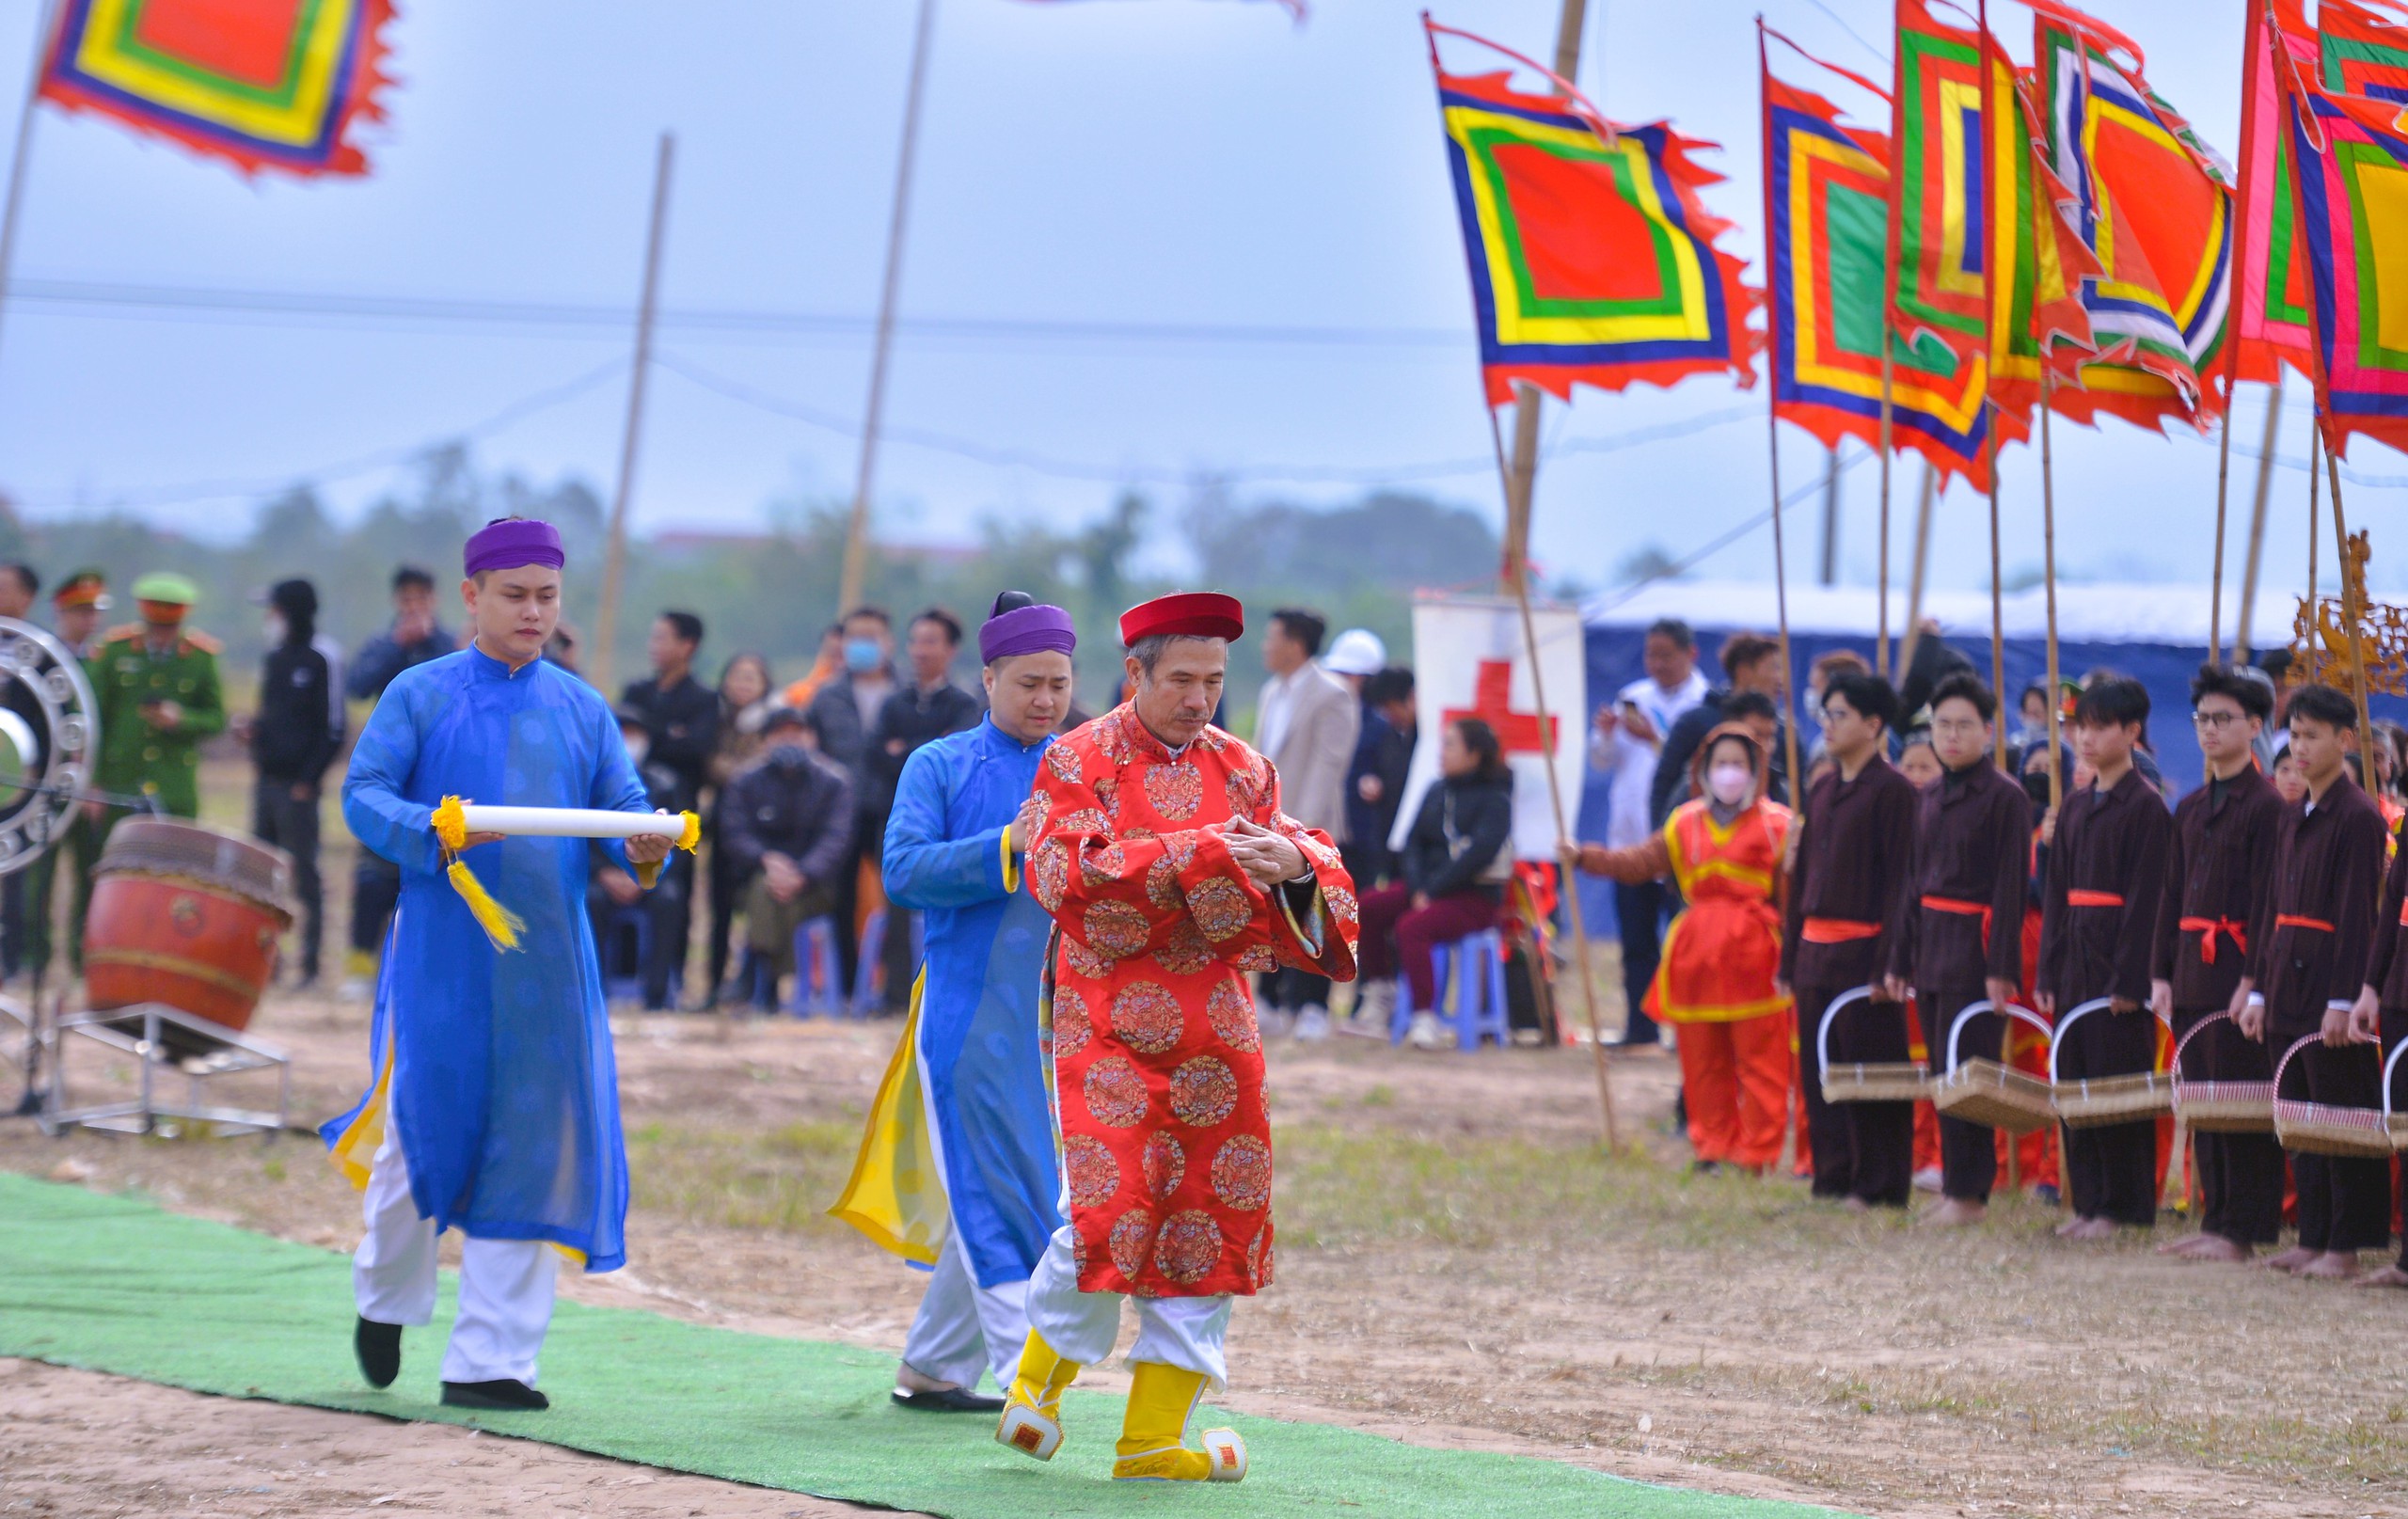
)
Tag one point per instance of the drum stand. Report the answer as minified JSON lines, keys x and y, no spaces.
{"x":166,"y":1043}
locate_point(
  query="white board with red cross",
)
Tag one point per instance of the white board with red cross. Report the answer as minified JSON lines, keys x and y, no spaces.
{"x":1470,"y":660}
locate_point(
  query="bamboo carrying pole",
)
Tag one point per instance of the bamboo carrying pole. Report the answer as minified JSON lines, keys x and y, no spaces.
{"x":615,"y":549}
{"x":2241,"y":631}
{"x":856,"y":570}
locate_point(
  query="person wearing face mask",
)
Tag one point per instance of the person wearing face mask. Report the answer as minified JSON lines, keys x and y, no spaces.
{"x":295,"y":736}
{"x":967,"y":1083}
{"x":843,"y":713}
{"x":786,"y":824}
{"x":1718,"y":977}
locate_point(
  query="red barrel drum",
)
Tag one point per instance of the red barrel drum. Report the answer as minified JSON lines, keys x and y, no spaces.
{"x":186,"y":916}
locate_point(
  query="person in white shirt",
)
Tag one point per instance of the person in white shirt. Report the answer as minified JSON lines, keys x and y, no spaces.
{"x":1625,"y":742}
{"x":1305,"y":725}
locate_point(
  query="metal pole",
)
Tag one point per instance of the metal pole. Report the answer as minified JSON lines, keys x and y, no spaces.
{"x":614,"y":551}
{"x":23,"y":153}
{"x":1830,"y":569}
{"x":848,"y":591}
{"x":1569,"y":24}
{"x":2240,"y":647}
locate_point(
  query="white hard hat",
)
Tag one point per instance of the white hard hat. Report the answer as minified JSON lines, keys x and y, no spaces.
{"x":1355,"y":652}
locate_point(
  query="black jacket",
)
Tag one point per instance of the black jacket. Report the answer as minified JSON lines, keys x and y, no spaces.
{"x":795,"y":802}
{"x":907,"y":719}
{"x":685,"y":731}
{"x":837,"y":716}
{"x":299,"y":727}
{"x":385,"y":656}
{"x":1463,"y":824}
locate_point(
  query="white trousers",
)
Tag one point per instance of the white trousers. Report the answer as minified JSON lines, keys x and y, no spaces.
{"x":505,"y":1285}
{"x":1184,"y":1332}
{"x":963,"y":1328}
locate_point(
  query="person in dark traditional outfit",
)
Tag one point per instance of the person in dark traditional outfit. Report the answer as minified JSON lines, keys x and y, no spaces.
{"x":494,"y":1107}
{"x":2310,"y":942}
{"x":2221,"y":856}
{"x":1958,"y":938}
{"x":1847,"y":891}
{"x":2106,"y":873}
{"x":1157,"y":843}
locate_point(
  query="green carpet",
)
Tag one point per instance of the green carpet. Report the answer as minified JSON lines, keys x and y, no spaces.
{"x":116,"y":1284}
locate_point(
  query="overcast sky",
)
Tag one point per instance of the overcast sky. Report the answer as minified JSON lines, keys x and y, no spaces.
{"x":1268,"y":202}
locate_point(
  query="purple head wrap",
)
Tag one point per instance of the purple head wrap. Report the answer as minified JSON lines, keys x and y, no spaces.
{"x":1026,"y":631}
{"x":512,"y":542}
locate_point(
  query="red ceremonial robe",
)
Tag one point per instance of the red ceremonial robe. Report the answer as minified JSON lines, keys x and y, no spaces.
{"x":1157,"y":1061}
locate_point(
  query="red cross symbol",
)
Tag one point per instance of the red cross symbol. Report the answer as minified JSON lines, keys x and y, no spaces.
{"x":1492,"y":701}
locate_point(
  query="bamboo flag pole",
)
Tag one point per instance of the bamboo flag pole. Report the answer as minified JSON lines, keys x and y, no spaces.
{"x":1881,"y":574}
{"x":1516,"y":484}
{"x":1772,"y":439}
{"x":2315,"y":479}
{"x":2241,"y":646}
{"x":27,"y":113}
{"x":614,"y":550}
{"x":856,"y":569}
{"x":1990,"y":282}
{"x":1918,"y":569}
{"x":2352,"y":619}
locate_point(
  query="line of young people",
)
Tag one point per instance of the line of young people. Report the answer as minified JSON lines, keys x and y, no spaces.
{"x":2247,"y":918}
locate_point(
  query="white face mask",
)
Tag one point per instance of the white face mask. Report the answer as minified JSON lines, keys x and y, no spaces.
{"x":636,"y":749}
{"x":1729,"y":784}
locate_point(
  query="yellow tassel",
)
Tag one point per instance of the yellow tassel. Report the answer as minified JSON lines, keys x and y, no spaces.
{"x":692,"y":838}
{"x":452,"y":827}
{"x":500,"y":925}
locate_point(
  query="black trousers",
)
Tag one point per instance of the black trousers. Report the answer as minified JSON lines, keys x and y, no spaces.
{"x":726,"y":891}
{"x":2111,"y":1170}
{"x":669,"y":905}
{"x":1367,"y":865}
{"x":1865,"y":1150}
{"x":2344,"y":1204}
{"x":291,"y":823}
{"x":2239,"y":1176}
{"x":375,"y":892}
{"x":2394,"y":1028}
{"x":1640,"y":911}
{"x":1968,"y":1151}
{"x":1292,"y":991}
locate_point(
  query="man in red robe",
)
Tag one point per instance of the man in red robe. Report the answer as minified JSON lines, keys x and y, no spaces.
{"x":1156,"y":842}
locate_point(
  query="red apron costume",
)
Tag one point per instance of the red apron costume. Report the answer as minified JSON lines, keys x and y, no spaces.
{"x":1720,"y":962}
{"x":1158,"y":1065}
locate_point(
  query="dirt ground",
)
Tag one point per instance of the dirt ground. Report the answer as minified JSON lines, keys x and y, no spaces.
{"x":1461,"y":1264}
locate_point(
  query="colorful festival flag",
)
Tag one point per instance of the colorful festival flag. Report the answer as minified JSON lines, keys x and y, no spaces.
{"x":1826,"y":230}
{"x":262,"y":84}
{"x":2358,"y":51}
{"x":2270,"y":322}
{"x":1592,"y":258}
{"x":2350,"y":155}
{"x":2155,"y":211}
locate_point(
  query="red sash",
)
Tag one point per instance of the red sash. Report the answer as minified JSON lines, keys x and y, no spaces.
{"x":1848,"y":930}
{"x":2209,"y":927}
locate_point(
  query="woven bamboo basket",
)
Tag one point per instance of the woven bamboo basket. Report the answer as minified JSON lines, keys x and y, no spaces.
{"x":1877,"y":1081}
{"x":2220,"y":1107}
{"x":2325,"y":1128}
{"x":2094,"y":1102}
{"x":2395,"y":1124}
{"x":1988,"y":1092}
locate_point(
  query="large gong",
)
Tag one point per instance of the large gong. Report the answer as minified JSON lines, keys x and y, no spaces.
{"x":49,"y":731}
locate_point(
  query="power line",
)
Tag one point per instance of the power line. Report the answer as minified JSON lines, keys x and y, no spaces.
{"x":75,"y":297}
{"x":342,"y":469}
{"x":1673,"y":572}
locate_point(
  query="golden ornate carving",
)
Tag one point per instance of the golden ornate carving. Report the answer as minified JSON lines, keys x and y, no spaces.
{"x":2321,"y":647}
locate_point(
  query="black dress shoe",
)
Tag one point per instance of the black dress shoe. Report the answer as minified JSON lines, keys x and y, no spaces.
{"x":501,"y":1393}
{"x":379,"y":1349}
{"x":951,"y":1400}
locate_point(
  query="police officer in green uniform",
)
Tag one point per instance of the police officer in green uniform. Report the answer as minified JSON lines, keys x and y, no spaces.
{"x":156,"y":684}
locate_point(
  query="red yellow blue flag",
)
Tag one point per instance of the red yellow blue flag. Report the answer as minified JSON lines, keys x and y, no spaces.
{"x":2349,"y":157}
{"x":262,"y":84}
{"x":1593,"y":259}
{"x":2270,"y":321}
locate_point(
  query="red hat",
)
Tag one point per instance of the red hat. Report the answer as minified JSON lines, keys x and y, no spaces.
{"x":1188,"y":614}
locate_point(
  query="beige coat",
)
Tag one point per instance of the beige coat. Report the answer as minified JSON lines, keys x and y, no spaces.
{"x":1315,"y":749}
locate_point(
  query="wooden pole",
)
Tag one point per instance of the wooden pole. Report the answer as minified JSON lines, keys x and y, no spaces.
{"x":2048,"y":582}
{"x":1881,"y":574}
{"x":2352,"y":619}
{"x":1831,"y":566}
{"x":2315,"y":444}
{"x":27,"y":113}
{"x":1990,"y":391}
{"x":856,"y":570}
{"x":1918,"y":571}
{"x":1781,"y":610}
{"x":614,"y":550}
{"x":2241,"y":646}
{"x":1574,"y":918}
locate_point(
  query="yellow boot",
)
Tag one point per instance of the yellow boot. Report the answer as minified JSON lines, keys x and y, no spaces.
{"x":1153,"y":1437}
{"x":1032,"y":1421}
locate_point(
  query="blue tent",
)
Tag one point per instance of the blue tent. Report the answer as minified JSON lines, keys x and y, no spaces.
{"x":2157,"y":634}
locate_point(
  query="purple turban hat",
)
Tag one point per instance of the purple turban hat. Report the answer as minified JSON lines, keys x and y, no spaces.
{"x":1026,"y":631}
{"x":510,"y":541}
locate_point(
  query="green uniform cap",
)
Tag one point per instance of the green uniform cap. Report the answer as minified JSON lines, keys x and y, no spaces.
{"x":161,"y":585}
